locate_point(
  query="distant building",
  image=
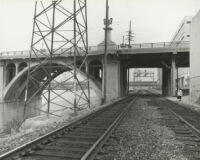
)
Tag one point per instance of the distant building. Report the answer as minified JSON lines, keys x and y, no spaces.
{"x":183,"y":31}
{"x":183,"y":34}
{"x":194,"y":59}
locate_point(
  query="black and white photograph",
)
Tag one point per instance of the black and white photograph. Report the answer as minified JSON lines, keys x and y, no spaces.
{"x":99,"y":79}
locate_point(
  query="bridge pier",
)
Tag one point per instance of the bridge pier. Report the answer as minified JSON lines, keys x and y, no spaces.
{"x":173,"y":75}
{"x":11,"y":109}
{"x":123,"y":82}
{"x":13,"y":112}
{"x":2,"y":84}
{"x":169,"y":78}
{"x":116,"y":80}
{"x":113,"y":80}
{"x":166,"y":81}
{"x":17,"y":68}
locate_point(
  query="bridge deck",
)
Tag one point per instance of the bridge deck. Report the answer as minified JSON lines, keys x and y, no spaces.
{"x":142,"y":48}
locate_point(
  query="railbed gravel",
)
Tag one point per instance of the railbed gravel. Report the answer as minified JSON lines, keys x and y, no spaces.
{"x":141,"y":136}
{"x":12,"y":141}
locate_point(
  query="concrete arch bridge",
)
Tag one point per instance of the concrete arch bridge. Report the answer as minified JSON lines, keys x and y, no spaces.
{"x":14,"y":67}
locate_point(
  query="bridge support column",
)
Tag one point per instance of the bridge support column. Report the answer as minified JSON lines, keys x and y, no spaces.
{"x":113,"y":80}
{"x":17,"y":68}
{"x":123,"y":81}
{"x":12,"y":110}
{"x":166,"y":87}
{"x":2,"y":85}
{"x":159,"y":75}
{"x":169,"y":79}
{"x":127,"y":82}
{"x":173,"y":76}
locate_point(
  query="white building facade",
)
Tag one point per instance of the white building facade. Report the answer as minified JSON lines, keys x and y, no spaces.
{"x":183,"y":34}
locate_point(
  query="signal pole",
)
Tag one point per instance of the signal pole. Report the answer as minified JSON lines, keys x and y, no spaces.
{"x":130,"y":38}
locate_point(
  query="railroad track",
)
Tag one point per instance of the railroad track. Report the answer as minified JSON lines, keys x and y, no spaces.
{"x":184,"y":122}
{"x":79,"y":140}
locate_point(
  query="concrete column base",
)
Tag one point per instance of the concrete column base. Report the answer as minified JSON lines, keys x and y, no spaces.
{"x":166,"y":84}
{"x":112,"y":80}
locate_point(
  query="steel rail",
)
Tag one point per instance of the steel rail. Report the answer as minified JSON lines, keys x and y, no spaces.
{"x":30,"y":145}
{"x":181,"y":118}
{"x":99,"y":143}
{"x":92,"y":150}
{"x":192,"y":127}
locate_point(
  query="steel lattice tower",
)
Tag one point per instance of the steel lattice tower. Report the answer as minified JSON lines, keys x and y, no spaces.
{"x":59,"y":33}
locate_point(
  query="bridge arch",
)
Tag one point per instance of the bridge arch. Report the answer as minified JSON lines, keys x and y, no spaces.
{"x":96,"y":69}
{"x":18,"y":83}
{"x":10,"y":72}
{"x":21,"y":66}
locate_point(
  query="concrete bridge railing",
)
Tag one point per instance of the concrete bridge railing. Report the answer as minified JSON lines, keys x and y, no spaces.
{"x":92,"y":49}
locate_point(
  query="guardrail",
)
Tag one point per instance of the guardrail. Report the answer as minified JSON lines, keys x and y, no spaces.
{"x":161,"y":44}
{"x":68,"y":52}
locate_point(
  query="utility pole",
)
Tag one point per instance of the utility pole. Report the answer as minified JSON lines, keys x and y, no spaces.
{"x":130,"y":35}
{"x":106,"y":23}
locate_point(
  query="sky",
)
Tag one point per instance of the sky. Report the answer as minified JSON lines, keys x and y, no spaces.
{"x":152,"y":20}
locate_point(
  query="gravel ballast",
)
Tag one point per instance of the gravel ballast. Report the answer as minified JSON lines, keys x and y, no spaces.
{"x":14,"y":140}
{"x":141,"y":136}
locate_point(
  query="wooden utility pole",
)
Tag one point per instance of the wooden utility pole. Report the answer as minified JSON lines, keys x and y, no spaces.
{"x":105,"y":51}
